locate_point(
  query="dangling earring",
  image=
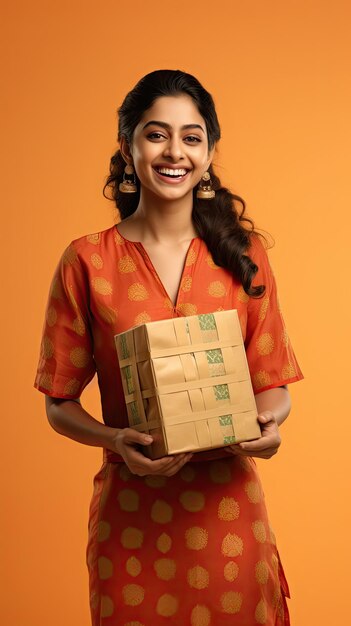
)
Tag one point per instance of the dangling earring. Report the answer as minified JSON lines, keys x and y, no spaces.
{"x":128,"y":184}
{"x":205,"y":191}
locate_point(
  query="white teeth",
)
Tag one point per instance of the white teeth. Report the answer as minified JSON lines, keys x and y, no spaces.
{"x":169,"y":172}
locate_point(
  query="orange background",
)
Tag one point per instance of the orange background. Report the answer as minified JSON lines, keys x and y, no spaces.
{"x":280,"y":75}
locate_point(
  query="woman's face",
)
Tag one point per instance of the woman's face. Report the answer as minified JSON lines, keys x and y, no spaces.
{"x":170,"y":147}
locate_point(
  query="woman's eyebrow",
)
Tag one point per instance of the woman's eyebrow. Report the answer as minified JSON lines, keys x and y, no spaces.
{"x":169,"y":127}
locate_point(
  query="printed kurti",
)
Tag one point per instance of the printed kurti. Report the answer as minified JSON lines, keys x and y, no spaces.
{"x":195,"y":549}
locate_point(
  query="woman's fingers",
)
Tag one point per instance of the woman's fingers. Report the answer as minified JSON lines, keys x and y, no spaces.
{"x":178,"y":464}
{"x":259,"y":445}
{"x":262,"y":454}
{"x":131,"y":436}
{"x":142,"y":466}
{"x":267,"y":445}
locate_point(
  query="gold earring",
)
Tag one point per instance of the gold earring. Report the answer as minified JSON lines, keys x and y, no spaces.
{"x":205,"y":191}
{"x":128,"y":184}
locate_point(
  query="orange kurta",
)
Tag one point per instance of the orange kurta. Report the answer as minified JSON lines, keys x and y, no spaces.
{"x":195,"y":549}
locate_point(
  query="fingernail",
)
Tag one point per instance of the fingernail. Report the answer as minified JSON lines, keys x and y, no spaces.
{"x":147,"y":439}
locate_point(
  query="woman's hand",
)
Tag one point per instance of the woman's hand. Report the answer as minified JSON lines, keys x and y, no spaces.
{"x":125,"y":443}
{"x":70,"y":419}
{"x":267,"y":445}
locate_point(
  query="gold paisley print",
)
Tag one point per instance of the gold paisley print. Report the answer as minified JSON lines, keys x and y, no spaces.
{"x":142,"y":318}
{"x":288,"y":371}
{"x":97,"y":261}
{"x":94,"y":239}
{"x":126,"y":265}
{"x":69,"y":256}
{"x":265,"y":344}
{"x":71,"y":388}
{"x":187,"y":308}
{"x":216,"y":289}
{"x":102,"y":286}
{"x":79,"y":357}
{"x":186,"y":283}
{"x":137,"y":292}
{"x":261,"y":379}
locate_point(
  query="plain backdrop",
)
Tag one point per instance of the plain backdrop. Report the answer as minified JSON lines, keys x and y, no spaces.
{"x":280,"y":76}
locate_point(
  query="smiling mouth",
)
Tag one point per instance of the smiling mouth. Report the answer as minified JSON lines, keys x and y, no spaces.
{"x":172,"y":173}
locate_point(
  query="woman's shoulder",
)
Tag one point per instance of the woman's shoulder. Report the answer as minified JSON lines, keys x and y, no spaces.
{"x":96,"y":242}
{"x":258,"y":247}
{"x":94,"y":239}
{"x":258,"y":253}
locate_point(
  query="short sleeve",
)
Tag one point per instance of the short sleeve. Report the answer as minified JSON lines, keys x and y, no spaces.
{"x":66,"y":363}
{"x":270,"y":356}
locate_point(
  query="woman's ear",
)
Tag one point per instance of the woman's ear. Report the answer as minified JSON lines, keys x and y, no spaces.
{"x":125,"y":150}
{"x":210,"y":157}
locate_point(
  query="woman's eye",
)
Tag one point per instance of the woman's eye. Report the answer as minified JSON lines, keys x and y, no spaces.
{"x":192,"y":139}
{"x":155,"y":135}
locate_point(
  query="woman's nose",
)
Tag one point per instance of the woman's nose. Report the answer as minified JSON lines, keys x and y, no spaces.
{"x":174,"y":149}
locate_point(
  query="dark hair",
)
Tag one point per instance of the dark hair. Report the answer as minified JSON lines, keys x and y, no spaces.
{"x":225,"y":230}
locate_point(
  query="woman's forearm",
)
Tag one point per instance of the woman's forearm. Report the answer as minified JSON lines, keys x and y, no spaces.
{"x":277,"y":401}
{"x":69,"y":418}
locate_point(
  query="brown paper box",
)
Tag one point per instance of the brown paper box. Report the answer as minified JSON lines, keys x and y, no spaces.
{"x":186,"y":382}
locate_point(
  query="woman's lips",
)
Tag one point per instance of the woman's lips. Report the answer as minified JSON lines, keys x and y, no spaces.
{"x":167,"y":174}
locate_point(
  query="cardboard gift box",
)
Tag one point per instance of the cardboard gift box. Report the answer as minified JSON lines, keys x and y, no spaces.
{"x":187,"y":383}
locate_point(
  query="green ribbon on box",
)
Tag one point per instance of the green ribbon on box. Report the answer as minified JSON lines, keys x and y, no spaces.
{"x":214,"y":356}
{"x":215,"y":362}
{"x":207,"y":322}
{"x":221,"y":392}
{"x":127,"y":373}
{"x":226,"y":420}
{"x":134,"y":413}
{"x":124,"y":347}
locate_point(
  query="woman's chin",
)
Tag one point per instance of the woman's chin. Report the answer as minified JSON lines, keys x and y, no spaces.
{"x":170,"y":193}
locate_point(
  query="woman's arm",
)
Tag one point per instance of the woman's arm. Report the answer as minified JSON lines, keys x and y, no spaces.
{"x":273,"y":407}
{"x":277,"y":401}
{"x":69,"y":418}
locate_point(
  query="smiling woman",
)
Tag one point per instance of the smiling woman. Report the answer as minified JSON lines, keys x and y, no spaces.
{"x":169,"y":152}
{"x":184,"y":538}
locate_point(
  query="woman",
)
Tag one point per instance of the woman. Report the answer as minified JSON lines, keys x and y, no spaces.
{"x":185,"y":538}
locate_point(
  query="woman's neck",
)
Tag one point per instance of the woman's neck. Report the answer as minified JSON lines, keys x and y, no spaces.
{"x":160,"y":221}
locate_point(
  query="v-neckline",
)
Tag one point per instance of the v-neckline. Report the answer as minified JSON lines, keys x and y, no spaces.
{"x":146,"y":256}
